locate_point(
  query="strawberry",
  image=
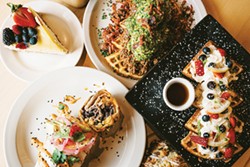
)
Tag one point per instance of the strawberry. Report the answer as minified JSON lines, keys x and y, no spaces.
{"x":219,"y":75}
{"x":199,"y":68}
{"x":232,"y":122}
{"x":214,"y":116}
{"x":199,"y":140}
{"x":22,"y":16}
{"x":231,"y":136}
{"x":222,"y":52}
{"x":228,"y":152}
{"x":225,"y":95}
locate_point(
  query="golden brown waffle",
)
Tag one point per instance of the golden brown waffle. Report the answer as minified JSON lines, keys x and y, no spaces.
{"x":191,"y":147}
{"x":234,"y":99}
{"x":192,"y":123}
{"x":235,"y":69}
{"x":102,"y":113}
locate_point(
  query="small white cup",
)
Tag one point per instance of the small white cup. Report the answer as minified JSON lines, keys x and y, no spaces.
{"x":190,"y":90}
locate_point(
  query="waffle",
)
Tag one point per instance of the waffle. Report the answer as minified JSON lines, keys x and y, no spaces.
{"x":102,"y":113}
{"x":191,"y":147}
{"x":234,"y":70}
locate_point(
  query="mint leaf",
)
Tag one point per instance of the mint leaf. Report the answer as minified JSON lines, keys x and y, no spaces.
{"x":58,"y":157}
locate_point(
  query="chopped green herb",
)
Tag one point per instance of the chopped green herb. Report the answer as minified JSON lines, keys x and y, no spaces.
{"x":72,"y":160}
{"x":104,"y":15}
{"x":104,"y":53}
{"x":58,"y":157}
{"x":78,"y":136}
{"x":61,"y":106}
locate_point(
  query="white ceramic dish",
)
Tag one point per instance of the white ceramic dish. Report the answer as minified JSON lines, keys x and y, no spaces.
{"x":93,"y":20}
{"x":27,"y":116}
{"x":30,"y":66}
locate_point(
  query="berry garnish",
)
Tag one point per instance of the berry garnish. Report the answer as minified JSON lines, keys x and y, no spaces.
{"x":18,"y":38}
{"x":219,"y":155}
{"x":8,"y":36}
{"x":222,"y":52}
{"x":225,"y":95}
{"x":22,"y":16}
{"x":211,"y":64}
{"x":229,"y":63}
{"x":219,"y":75}
{"x":213,"y":149}
{"x":205,"y":118}
{"x":21,"y":45}
{"x":202,"y":57}
{"x":206,"y":50}
{"x":206,"y":135}
{"x":17,"y":29}
{"x":199,"y":68}
{"x":222,"y":128}
{"x":32,"y":31}
{"x":228,"y":152}
{"x":199,"y":140}
{"x":232,"y":121}
{"x":223,"y":87}
{"x":25,"y":37}
{"x":231,"y":136}
{"x":33,"y":40}
{"x":210,"y":96}
{"x":214,"y":116}
{"x":211,"y":85}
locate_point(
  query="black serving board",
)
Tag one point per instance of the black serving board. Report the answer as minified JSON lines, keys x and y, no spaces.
{"x":146,"y":95}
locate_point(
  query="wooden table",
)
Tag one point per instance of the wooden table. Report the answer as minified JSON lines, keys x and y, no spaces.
{"x":233,"y":15}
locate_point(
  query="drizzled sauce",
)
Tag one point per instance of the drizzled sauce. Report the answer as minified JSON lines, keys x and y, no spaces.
{"x":177,"y":94}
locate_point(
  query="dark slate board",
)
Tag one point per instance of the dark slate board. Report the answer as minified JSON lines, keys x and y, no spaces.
{"x":146,"y":95}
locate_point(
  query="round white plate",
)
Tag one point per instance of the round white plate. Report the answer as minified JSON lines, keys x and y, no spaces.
{"x":27,"y":116}
{"x":30,"y":66}
{"x":93,"y":20}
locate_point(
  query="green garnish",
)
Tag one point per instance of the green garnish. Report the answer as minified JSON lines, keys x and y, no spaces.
{"x":58,"y":157}
{"x":78,"y":136}
{"x":72,"y":160}
{"x":199,"y":127}
{"x":104,"y":53}
{"x":61,"y":106}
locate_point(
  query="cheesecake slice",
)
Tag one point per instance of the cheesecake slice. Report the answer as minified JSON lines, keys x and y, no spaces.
{"x":19,"y":38}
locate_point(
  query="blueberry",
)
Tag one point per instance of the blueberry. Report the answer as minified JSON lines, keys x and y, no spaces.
{"x":33,"y":40}
{"x":219,"y":155}
{"x":202,"y":57}
{"x":211,"y":64}
{"x":224,"y":112}
{"x":229,"y":62}
{"x":25,"y":37}
{"x":211,"y":85}
{"x":204,"y":147}
{"x":210,"y":96}
{"x":18,"y":38}
{"x":205,"y":118}
{"x":223,"y":87}
{"x":32,"y":31}
{"x":206,"y":50}
{"x":213,"y":149}
{"x":222,"y":128}
{"x":25,"y":30}
{"x":206,"y":135}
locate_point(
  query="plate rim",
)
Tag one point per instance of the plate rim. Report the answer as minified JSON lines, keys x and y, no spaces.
{"x":91,"y":52}
{"x":77,"y":58}
{"x":31,"y":90}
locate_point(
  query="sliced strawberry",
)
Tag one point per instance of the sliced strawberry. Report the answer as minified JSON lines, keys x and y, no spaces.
{"x":228,"y":152}
{"x":24,"y":18}
{"x":213,"y":134}
{"x":222,"y":52}
{"x":225,"y":95}
{"x":199,"y":68}
{"x":21,"y":45}
{"x":232,"y":122}
{"x":231,"y":136}
{"x":219,"y":75}
{"x":199,"y":140}
{"x":214,"y":116}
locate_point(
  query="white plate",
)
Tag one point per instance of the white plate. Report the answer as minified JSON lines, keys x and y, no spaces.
{"x":28,"y":114}
{"x":93,"y":20}
{"x":30,"y":66}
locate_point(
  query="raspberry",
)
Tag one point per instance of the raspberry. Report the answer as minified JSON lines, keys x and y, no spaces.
{"x":8,"y":36}
{"x":214,"y":116}
{"x":222,"y":52}
{"x":225,"y":95}
{"x":21,"y":45}
{"x":228,"y":152}
{"x":199,"y":68}
{"x":17,"y":29}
